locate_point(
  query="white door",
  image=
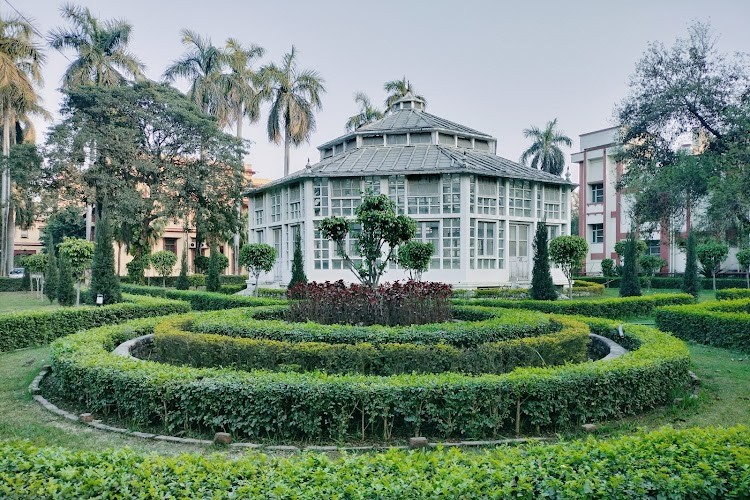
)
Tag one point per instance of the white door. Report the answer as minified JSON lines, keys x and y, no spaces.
{"x":277,"y":246}
{"x":518,"y":252}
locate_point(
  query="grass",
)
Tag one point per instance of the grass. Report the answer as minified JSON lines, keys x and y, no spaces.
{"x":23,"y":301}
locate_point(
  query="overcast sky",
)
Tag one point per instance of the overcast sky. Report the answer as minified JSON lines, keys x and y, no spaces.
{"x":498,"y":67}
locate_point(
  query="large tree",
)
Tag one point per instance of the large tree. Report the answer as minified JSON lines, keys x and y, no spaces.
{"x":367,"y":113}
{"x":545,"y":153}
{"x":397,"y":89}
{"x":102,"y":49}
{"x":689,"y":92}
{"x":158,"y":157}
{"x":295,"y":96}
{"x":21,"y":60}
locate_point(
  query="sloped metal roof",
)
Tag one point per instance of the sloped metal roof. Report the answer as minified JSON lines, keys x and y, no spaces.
{"x":415,"y":160}
{"x":414,"y":119}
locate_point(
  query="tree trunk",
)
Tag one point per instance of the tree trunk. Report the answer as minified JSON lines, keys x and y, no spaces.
{"x":747,"y":278}
{"x":236,"y":241}
{"x":89,"y":221}
{"x":287,"y":139}
{"x":6,"y":249}
{"x":713,"y":278}
{"x":78,"y":293}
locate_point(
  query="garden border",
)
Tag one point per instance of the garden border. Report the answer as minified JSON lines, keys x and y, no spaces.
{"x":720,"y":323}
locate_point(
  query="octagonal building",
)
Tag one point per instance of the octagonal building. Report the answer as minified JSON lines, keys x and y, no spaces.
{"x":478,"y":210}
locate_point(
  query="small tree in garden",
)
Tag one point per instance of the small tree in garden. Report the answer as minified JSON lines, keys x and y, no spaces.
{"x":257,"y":258}
{"x":691,"y":282}
{"x":104,"y":281}
{"x":217,"y":262}
{"x":136,"y":268}
{"x":163,"y":262}
{"x":380,"y":226}
{"x":51,"y":274}
{"x":34,"y":264}
{"x":201,"y":264}
{"x":609,"y":270}
{"x":630,"y":285}
{"x":79,"y":254}
{"x":542,"y":286}
{"x":568,"y":252}
{"x":66,"y":294}
{"x":183,"y":283}
{"x":650,"y":264}
{"x":298,"y":266}
{"x":711,"y":255}
{"x":640,"y":248}
{"x":415,"y":257}
{"x":743,"y":257}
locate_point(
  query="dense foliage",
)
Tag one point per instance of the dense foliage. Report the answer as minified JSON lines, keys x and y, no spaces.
{"x":257,"y":258}
{"x":409,"y":303}
{"x":743,"y":259}
{"x":217,"y":262}
{"x":542,"y":287}
{"x":568,"y":252}
{"x":415,"y":256}
{"x":104,"y":281}
{"x":51,"y":274}
{"x":661,"y":283}
{"x":711,"y":254}
{"x":722,"y":324}
{"x":163,"y":262}
{"x":182,"y":282}
{"x":65,"y":292}
{"x":657,"y":464}
{"x":201,"y":301}
{"x":691,"y":282}
{"x":733,"y":294}
{"x":298,"y":265}
{"x":630,"y":285}
{"x":33,"y":328}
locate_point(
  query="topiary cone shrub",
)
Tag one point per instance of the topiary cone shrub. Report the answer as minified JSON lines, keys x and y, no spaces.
{"x":409,"y":303}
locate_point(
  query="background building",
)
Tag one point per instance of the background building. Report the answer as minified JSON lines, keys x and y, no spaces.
{"x":478,"y":210}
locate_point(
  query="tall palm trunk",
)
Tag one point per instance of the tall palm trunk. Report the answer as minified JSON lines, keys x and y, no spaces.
{"x":287,"y":140}
{"x":6,"y":259}
{"x":236,"y":241}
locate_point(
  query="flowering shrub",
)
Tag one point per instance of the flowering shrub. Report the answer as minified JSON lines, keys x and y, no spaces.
{"x":409,"y":303}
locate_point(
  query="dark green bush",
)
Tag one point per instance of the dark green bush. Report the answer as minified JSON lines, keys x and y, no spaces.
{"x":721,"y":324}
{"x":733,"y":294}
{"x":201,"y":301}
{"x":667,"y":463}
{"x":669,"y":283}
{"x":175,"y":345}
{"x":320,"y":406}
{"x":32,"y":328}
{"x":604,"y":308}
{"x":11,"y":285}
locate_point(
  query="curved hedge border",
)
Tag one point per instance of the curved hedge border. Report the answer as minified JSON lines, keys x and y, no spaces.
{"x":721,"y":323}
{"x":318,"y":406}
{"x":174,"y":345}
{"x":691,"y":463}
{"x":32,"y":328}
{"x":485,"y":325}
{"x":733,"y":294}
{"x":660,"y":282}
{"x":202,"y":301}
{"x":613,"y":308}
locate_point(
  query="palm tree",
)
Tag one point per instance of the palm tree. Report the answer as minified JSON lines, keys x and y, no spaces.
{"x":20,"y":69}
{"x":367,"y":113}
{"x":398,"y":89}
{"x":243,"y":100}
{"x":545,"y":152}
{"x":202,"y":64}
{"x":295,"y":96}
{"x":103,"y":58}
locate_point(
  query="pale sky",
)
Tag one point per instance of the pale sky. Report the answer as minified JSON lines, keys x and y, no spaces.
{"x":498,"y":67}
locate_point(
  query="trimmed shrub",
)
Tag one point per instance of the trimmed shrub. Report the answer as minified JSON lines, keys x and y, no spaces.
{"x":175,"y":345}
{"x":505,"y":293}
{"x":542,"y":287}
{"x":217,"y":262}
{"x":613,"y":308}
{"x":630,"y":285}
{"x":298,"y":266}
{"x":409,"y":303}
{"x":661,"y":283}
{"x":691,"y":282}
{"x":201,"y":301}
{"x":104,"y":281}
{"x":232,"y":289}
{"x":11,"y":285}
{"x":583,"y":288}
{"x":34,"y":328}
{"x":658,"y":464}
{"x":66,"y":294}
{"x":720,"y":323}
{"x":183,"y":283}
{"x":733,"y":294}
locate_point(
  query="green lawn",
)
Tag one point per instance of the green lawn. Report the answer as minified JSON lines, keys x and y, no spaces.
{"x":23,"y":301}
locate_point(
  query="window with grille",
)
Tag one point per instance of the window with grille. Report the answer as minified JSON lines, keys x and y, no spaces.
{"x":423,"y":195}
{"x":372,"y":185}
{"x":472,"y":242}
{"x":259,"y":217}
{"x":501,"y":197}
{"x":350,"y":244}
{"x":654,"y":248}
{"x":552,"y":202}
{"x":320,"y":197}
{"x":486,"y":244}
{"x":464,"y":142}
{"x":451,"y":243}
{"x":597,"y":233}
{"x":345,"y":196}
{"x":429,"y":232}
{"x":597,"y":192}
{"x":397,"y":191}
{"x":170,"y":245}
{"x":372,"y":140}
{"x":321,"y":249}
{"x":451,"y":194}
{"x":447,"y":140}
{"x":519,"y":198}
{"x":294,"y":204}
{"x":423,"y":138}
{"x":276,"y":206}
{"x":486,"y":196}
{"x":396,"y":139}
{"x":501,"y":246}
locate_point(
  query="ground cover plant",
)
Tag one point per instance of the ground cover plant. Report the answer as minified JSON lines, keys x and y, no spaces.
{"x":645,"y":465}
{"x":323,"y":407}
{"x":409,"y":303}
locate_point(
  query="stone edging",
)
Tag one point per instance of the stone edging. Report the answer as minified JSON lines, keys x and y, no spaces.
{"x":87,"y":419}
{"x":615,"y":349}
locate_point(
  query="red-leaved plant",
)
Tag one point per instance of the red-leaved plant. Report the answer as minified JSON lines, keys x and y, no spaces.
{"x":408,"y":303}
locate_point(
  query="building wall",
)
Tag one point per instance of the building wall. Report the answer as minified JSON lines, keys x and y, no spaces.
{"x":472,"y":238}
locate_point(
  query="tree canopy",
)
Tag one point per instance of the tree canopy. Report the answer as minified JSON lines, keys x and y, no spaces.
{"x":545,"y":153}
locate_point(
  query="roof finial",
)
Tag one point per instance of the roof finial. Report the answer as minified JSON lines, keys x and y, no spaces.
{"x":308,"y":163}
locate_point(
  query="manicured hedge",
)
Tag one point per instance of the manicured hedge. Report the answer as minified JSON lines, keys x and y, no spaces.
{"x":33,"y":328}
{"x":582,"y":288}
{"x":195,"y":280}
{"x":175,"y":345}
{"x":733,"y":294}
{"x":719,"y":323}
{"x":505,"y":293}
{"x":201,"y":301}
{"x":603,"y":308}
{"x":317,"y":406}
{"x":668,"y":463}
{"x":669,"y":282}
{"x":11,"y":285}
{"x":486,"y":325}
